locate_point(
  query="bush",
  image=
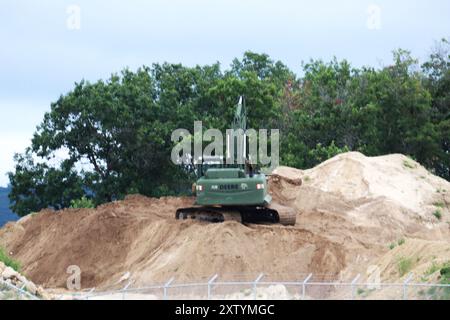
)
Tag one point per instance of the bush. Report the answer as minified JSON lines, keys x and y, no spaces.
{"x":445,"y":273}
{"x":404,"y":265}
{"x":444,"y":292}
{"x":8,"y":261}
{"x":439,"y":204}
{"x":432,"y":269}
{"x":437,"y":214}
{"x":83,"y":203}
{"x":322,"y":153}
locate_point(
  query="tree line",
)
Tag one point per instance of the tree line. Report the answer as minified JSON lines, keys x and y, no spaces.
{"x":115,"y":134}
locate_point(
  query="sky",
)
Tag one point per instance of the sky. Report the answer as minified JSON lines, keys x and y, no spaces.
{"x":48,"y":45}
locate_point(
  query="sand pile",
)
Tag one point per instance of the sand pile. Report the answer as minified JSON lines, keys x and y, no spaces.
{"x":388,"y":196}
{"x":350,"y":208}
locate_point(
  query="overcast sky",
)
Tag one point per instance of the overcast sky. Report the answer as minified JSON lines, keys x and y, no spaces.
{"x":46,"y":46}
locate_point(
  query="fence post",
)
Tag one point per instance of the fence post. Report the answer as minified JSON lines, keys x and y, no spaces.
{"x":304,"y":285}
{"x":210,"y":282}
{"x":166,"y":286}
{"x":353,"y":285}
{"x":90,"y":292}
{"x":405,"y":286}
{"x":125,"y":289}
{"x":255,"y":283}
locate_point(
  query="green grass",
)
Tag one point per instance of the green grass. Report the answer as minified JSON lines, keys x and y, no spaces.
{"x":392,"y":245}
{"x":437,"y":214}
{"x":439,"y":204}
{"x":445,"y":272}
{"x":364,"y":292}
{"x":306,"y":178}
{"x":8,"y":261}
{"x":436,"y":293}
{"x":432,"y":269}
{"x":404,"y":265}
{"x":7,"y":294}
{"x":409,"y":164}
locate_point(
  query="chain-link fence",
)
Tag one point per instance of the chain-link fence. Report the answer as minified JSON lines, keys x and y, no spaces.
{"x":9,"y":291}
{"x":273,"y":287}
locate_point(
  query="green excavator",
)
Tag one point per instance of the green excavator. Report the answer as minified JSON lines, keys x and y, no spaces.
{"x":234,"y":192}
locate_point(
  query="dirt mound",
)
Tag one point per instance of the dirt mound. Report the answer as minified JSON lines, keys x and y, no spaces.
{"x":390,"y":194}
{"x":139,"y":235}
{"x":350,"y":208}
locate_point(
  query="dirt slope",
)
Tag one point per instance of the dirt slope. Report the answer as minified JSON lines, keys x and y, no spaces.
{"x":350,"y":208}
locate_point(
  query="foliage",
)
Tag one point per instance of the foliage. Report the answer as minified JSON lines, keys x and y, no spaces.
{"x":439,"y":204}
{"x":437,"y":213}
{"x":408,"y":164}
{"x":37,"y":185}
{"x":433,"y":268}
{"x":8,"y":261}
{"x":82,"y":203}
{"x":404,"y":265}
{"x":440,"y":293}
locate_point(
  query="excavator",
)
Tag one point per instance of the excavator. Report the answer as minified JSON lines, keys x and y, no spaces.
{"x":234,"y":192}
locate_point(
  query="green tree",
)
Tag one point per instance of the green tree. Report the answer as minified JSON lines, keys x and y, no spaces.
{"x":322,"y":117}
{"x":116,"y":134}
{"x":37,"y":185}
{"x":400,"y":110}
{"x":373,"y":111}
{"x":437,"y":81}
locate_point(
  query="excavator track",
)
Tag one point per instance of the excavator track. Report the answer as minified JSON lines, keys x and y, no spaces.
{"x":274,"y":213}
{"x":286,"y":216}
{"x":209,"y":214}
